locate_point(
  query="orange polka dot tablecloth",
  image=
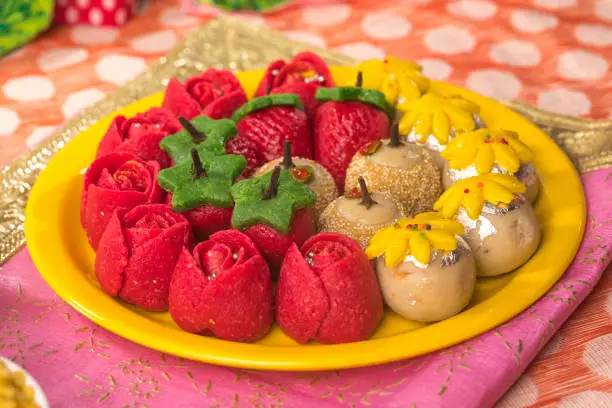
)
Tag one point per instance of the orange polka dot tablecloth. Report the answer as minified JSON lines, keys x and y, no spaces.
{"x":555,"y":54}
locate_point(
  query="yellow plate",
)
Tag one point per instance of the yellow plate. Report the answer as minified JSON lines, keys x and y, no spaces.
{"x":60,"y":251}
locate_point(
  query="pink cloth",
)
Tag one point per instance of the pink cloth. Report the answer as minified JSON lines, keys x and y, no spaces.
{"x":79,"y":364}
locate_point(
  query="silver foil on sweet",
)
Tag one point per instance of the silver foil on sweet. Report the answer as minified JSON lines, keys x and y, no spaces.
{"x":446,"y":258}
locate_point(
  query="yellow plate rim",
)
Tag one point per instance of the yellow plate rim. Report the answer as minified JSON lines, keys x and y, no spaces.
{"x":516,"y":296}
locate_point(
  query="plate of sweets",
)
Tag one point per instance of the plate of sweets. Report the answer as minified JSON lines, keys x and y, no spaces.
{"x":306,"y":217}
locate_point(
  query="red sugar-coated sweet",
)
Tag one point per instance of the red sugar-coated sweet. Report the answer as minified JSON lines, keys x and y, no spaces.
{"x":249,"y":151}
{"x":340,"y":129}
{"x":140,"y":135}
{"x":328,"y":292}
{"x":273,"y":245}
{"x":305,"y":91}
{"x":223,"y":288}
{"x":138,"y":252}
{"x":214,"y":93}
{"x":206,"y":219}
{"x":116,"y":180}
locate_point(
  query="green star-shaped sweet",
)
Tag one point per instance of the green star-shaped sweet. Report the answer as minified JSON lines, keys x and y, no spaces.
{"x":203,"y":180}
{"x":270,"y":199}
{"x":208,"y":136}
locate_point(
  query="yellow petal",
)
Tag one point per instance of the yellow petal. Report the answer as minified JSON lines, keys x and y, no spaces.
{"x":373,"y":73}
{"x":461,"y":121}
{"x":465,"y":105}
{"x":441,"y":127}
{"x":398,"y":65}
{"x":397,"y":250}
{"x":521,"y":150}
{"x":449,"y":202}
{"x":408,"y":89}
{"x":505,"y":157}
{"x":407,"y":122}
{"x":409,"y":105}
{"x":389,"y":88}
{"x":509,"y":182}
{"x":422,"y":127}
{"x":420,"y":248}
{"x":496,"y":193}
{"x":442,"y":240}
{"x":473,"y":203}
{"x":451,"y":226}
{"x":464,"y":157}
{"x":484,"y":159}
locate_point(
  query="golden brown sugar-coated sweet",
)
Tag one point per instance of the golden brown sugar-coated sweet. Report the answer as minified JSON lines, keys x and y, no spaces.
{"x":14,"y":392}
{"x":406,"y":173}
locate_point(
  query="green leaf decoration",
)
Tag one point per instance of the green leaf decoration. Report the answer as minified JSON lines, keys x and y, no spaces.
{"x":210,"y":138}
{"x":22,"y":20}
{"x":252,"y":207}
{"x":203,"y":180}
{"x":353,"y":93}
{"x":267,"y":101}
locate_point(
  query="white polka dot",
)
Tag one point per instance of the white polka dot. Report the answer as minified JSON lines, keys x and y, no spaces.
{"x":609,"y":304}
{"x":522,"y":394}
{"x":474,"y":9}
{"x":362,"y":51}
{"x":77,"y":101}
{"x":555,"y":4}
{"x":95,"y":16}
{"x":590,"y":399}
{"x":449,"y":39}
{"x":564,"y":101}
{"x":385,"y":25}
{"x":494,"y":83}
{"x":598,"y":356}
{"x":325,"y":15}
{"x":57,"y":58}
{"x":29,"y":88}
{"x":529,"y":21}
{"x":72,"y":15}
{"x":307,"y":37}
{"x":436,"y":69}
{"x":109,"y":4}
{"x":594,"y":34}
{"x":552,"y":346}
{"x":159,"y":41}
{"x":174,"y":17}
{"x":83,"y":3}
{"x":581,"y":65}
{"x":89,"y":35}
{"x":120,"y":16}
{"x":118,"y":69}
{"x":517,"y":53}
{"x":603,"y":9}
{"x":9,"y":121}
{"x":252,"y":19}
{"x":38,"y":135}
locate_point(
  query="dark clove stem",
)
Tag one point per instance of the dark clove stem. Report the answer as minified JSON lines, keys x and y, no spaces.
{"x":394,"y":137}
{"x":359,"y":80}
{"x":269,"y":89}
{"x":366,"y":199}
{"x":198,"y":168}
{"x":272,"y":189}
{"x":287,"y":163}
{"x":196,"y":135}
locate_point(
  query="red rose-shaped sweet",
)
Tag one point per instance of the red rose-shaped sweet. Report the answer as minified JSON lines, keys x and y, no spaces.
{"x":116,"y":180}
{"x":206,"y":219}
{"x":328,"y":292}
{"x":301,"y":76}
{"x":224,"y":288}
{"x":140,"y":135}
{"x":214,"y":93}
{"x":138,"y":252}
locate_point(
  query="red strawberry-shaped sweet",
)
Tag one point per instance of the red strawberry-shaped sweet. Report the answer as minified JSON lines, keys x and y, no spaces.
{"x":265,"y":123}
{"x":249,"y":151}
{"x":275,"y":211}
{"x":223,"y":288}
{"x":116,"y":180}
{"x":349,"y":118}
{"x":301,"y":76}
{"x":205,"y":220}
{"x":138,"y":252}
{"x":328,"y":292}
{"x":140,"y":135}
{"x":214,"y":93}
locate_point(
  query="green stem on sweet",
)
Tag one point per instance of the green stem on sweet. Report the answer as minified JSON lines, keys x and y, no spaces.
{"x":198,"y":168}
{"x":359,"y":80}
{"x":394,"y":137}
{"x":287,"y":163}
{"x":366,"y":199}
{"x":196,"y":135}
{"x":272,"y":189}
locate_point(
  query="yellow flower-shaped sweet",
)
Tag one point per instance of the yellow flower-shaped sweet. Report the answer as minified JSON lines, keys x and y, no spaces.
{"x":473,"y":192}
{"x":485,"y":147}
{"x":399,"y":80}
{"x":435,"y":114}
{"x":415,"y":236}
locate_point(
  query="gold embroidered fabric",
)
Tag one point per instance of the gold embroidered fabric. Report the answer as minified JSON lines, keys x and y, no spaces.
{"x":232,"y":44}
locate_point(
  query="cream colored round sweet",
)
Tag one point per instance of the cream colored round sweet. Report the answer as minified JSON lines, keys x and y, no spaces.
{"x":407,"y":173}
{"x":321,"y":182}
{"x":432,"y":293}
{"x":526,"y":174}
{"x":502,"y":240}
{"x":347,"y":216}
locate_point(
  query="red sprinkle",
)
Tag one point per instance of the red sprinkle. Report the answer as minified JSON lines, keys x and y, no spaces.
{"x":503,"y":141}
{"x":466,"y":191}
{"x":480,"y":185}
